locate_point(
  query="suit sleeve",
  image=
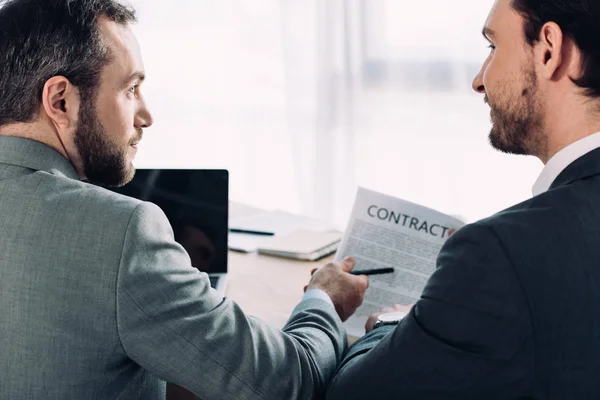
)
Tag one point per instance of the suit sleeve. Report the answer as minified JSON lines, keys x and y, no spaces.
{"x":468,"y":337}
{"x":173,"y":324}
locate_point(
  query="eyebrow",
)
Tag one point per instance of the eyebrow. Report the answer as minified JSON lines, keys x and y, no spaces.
{"x":487,"y":33}
{"x":136,"y":76}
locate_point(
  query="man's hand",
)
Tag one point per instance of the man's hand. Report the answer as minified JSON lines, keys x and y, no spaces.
{"x":346,"y":290}
{"x":373,"y":317}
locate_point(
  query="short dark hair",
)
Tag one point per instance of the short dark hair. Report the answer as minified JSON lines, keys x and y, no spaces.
{"x":579,"y":20}
{"x":40,"y":39}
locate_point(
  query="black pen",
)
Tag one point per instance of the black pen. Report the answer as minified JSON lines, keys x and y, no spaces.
{"x":376,"y":271}
{"x":251,"y":232}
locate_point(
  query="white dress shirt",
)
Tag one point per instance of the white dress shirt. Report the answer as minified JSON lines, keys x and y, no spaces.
{"x":563,"y":159}
{"x":317,"y":294}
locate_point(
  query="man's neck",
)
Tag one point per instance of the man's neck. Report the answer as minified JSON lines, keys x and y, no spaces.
{"x":567,"y":123}
{"x":566,"y":138}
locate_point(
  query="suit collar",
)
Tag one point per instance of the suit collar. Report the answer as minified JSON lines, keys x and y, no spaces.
{"x":34,"y":155}
{"x":584,"y":167}
{"x":563,"y":159}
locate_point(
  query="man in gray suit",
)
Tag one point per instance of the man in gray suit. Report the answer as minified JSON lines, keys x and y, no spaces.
{"x":98,"y":301}
{"x":513,"y":308}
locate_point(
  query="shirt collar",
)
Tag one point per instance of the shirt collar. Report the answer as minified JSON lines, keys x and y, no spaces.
{"x":562,"y":159}
{"x":34,"y":155}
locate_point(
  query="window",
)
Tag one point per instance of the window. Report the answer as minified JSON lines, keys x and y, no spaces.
{"x":302,"y":101}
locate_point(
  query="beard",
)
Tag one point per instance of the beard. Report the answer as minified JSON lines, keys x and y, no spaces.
{"x":517,"y":125}
{"x":104,"y":162}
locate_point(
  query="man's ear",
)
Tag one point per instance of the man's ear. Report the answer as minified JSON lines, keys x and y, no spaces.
{"x":60,"y":101}
{"x":549,"y":51}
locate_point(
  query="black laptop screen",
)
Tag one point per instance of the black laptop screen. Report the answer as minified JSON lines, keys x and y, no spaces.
{"x":196,"y":203}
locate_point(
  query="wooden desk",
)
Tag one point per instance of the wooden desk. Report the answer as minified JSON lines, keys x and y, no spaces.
{"x":266,"y":287}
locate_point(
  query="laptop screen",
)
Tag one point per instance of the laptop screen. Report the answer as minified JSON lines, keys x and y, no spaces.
{"x":196,"y":202}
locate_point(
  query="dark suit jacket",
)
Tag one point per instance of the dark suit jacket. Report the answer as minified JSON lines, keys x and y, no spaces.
{"x":512,"y":311}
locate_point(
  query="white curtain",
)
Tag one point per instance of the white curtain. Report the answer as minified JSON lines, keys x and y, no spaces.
{"x":302,"y":100}
{"x":323,"y":42}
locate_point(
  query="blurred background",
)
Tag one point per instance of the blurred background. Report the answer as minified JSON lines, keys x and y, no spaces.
{"x":303,"y":100}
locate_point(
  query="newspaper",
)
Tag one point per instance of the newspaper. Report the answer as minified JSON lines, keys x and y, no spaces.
{"x":383,"y":232}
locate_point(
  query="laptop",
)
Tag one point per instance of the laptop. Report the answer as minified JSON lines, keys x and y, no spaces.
{"x":196,"y":202}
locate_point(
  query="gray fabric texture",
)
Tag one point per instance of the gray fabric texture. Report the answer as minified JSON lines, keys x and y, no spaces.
{"x":99,"y":302}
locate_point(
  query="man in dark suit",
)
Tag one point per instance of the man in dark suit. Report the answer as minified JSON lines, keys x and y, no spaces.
{"x":513,"y":309}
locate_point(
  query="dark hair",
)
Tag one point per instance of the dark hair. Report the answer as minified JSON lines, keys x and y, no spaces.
{"x":579,"y":20}
{"x":40,"y":39}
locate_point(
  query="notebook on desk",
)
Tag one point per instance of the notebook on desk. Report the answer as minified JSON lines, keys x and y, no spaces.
{"x":278,"y":223}
{"x":196,"y":202}
{"x":302,"y":245}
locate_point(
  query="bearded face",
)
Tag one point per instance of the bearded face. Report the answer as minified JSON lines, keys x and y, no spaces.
{"x":517,"y":120}
{"x":105,"y":162}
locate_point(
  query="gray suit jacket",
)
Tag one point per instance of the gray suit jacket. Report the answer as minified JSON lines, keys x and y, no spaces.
{"x":99,"y":302}
{"x":512,"y":311}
